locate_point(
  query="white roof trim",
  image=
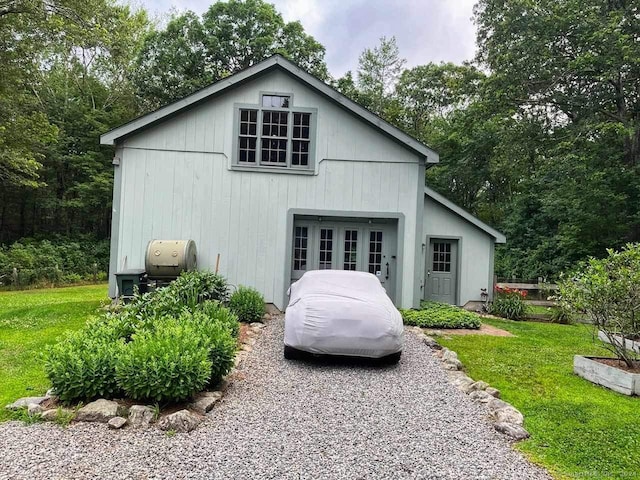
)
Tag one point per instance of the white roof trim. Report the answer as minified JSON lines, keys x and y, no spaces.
{"x":499,"y":237}
{"x":111,"y":137}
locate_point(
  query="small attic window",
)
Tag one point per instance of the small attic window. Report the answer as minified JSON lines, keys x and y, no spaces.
{"x":276,"y":101}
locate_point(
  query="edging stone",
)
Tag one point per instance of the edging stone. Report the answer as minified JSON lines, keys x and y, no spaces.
{"x":505,"y":417}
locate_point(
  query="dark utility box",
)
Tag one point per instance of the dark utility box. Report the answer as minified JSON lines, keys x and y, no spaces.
{"x":127,"y":280}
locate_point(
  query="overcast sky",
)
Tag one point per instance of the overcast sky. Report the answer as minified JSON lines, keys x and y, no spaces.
{"x":426,"y":30}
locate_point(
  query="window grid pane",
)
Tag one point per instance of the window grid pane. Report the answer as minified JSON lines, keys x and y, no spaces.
{"x":274,"y":124}
{"x":326,"y":249}
{"x":375,"y":252}
{"x":274,"y":148}
{"x":300,"y":246}
{"x":350,"y":250}
{"x":441,"y":257}
{"x":301,"y":135}
{"x":248,"y":136}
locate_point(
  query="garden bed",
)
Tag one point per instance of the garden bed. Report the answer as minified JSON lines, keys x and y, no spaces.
{"x":441,"y":316}
{"x":632,"y":345}
{"x":169,"y":346}
{"x":608,"y":373}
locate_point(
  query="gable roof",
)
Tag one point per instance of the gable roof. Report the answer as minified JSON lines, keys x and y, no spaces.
{"x":499,"y":237}
{"x":271,"y":63}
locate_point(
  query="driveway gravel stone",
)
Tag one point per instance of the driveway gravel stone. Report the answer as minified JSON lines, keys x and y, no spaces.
{"x":292,"y":420}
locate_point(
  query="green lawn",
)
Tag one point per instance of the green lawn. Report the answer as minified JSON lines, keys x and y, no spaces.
{"x":31,"y":319}
{"x":539,"y":310}
{"x":578,"y":430}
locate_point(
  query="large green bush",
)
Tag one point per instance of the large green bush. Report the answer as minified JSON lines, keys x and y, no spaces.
{"x":440,"y":315}
{"x":57,"y":261}
{"x":156,"y":345}
{"x":83,"y":365}
{"x":248,"y":304}
{"x":168,"y":363}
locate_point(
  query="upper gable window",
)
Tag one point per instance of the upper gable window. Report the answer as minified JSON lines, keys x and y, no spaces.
{"x":279,"y":101}
{"x":275,"y":134}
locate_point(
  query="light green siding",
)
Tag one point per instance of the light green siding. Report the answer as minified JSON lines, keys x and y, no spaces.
{"x":475,"y":249}
{"x":177,"y":183}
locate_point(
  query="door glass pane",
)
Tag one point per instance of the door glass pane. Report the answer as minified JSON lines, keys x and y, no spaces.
{"x":375,"y":251}
{"x":326,"y":248}
{"x":301,"y":237}
{"x":441,"y":257}
{"x":350,"y":249}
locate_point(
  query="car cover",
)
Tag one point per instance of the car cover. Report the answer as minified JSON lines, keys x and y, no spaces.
{"x":340,"y":312}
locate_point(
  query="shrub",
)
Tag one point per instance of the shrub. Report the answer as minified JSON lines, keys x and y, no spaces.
{"x":220,"y":314}
{"x":164,"y":346}
{"x":608,"y":291}
{"x":166,"y":364}
{"x":56,"y":261}
{"x":217,"y":338}
{"x":561,"y":315}
{"x":182,"y":295}
{"x":82,"y":366}
{"x":248,"y":304}
{"x":440,"y":315}
{"x":198,"y":286}
{"x":509,"y":303}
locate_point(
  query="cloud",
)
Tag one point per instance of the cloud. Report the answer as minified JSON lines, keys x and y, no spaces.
{"x":425,"y":30}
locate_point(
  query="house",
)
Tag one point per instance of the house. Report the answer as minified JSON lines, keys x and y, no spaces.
{"x":278,"y":174}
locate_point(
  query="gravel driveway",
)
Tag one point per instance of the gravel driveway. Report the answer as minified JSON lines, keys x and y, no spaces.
{"x":292,"y":420}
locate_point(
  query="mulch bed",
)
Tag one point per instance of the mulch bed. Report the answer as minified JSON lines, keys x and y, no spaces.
{"x":613,"y":362}
{"x":483,"y":330}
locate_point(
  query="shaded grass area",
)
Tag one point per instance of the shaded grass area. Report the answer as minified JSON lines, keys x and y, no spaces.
{"x":578,"y":430}
{"x":30,"y":320}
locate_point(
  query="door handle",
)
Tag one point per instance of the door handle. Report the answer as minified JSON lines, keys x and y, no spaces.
{"x":387,"y":277}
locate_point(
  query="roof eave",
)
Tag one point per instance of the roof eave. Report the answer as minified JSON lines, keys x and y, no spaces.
{"x":112,"y":137}
{"x":498,"y":237}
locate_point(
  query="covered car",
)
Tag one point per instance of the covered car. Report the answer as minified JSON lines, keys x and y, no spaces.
{"x":346,"y":313}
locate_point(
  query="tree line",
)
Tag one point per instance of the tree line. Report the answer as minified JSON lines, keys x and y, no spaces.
{"x":538,"y":135}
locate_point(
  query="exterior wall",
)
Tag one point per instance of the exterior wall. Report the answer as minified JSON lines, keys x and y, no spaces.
{"x":475,"y":249}
{"x":177,"y":184}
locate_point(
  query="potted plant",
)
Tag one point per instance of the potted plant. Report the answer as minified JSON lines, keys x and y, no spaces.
{"x":607,"y":292}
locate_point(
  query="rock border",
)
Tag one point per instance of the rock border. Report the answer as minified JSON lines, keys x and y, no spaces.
{"x":117,"y":415}
{"x":505,"y":418}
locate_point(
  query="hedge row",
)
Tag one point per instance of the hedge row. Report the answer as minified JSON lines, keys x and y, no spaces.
{"x":57,"y":261}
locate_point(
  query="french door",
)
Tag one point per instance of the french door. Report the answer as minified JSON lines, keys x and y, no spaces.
{"x":345,"y":246}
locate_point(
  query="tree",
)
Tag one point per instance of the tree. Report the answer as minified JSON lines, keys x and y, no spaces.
{"x":378,"y":70}
{"x":69,"y":66}
{"x":193,"y":52}
{"x":568,"y":71}
{"x":577,"y":59}
{"x":607,"y":290}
